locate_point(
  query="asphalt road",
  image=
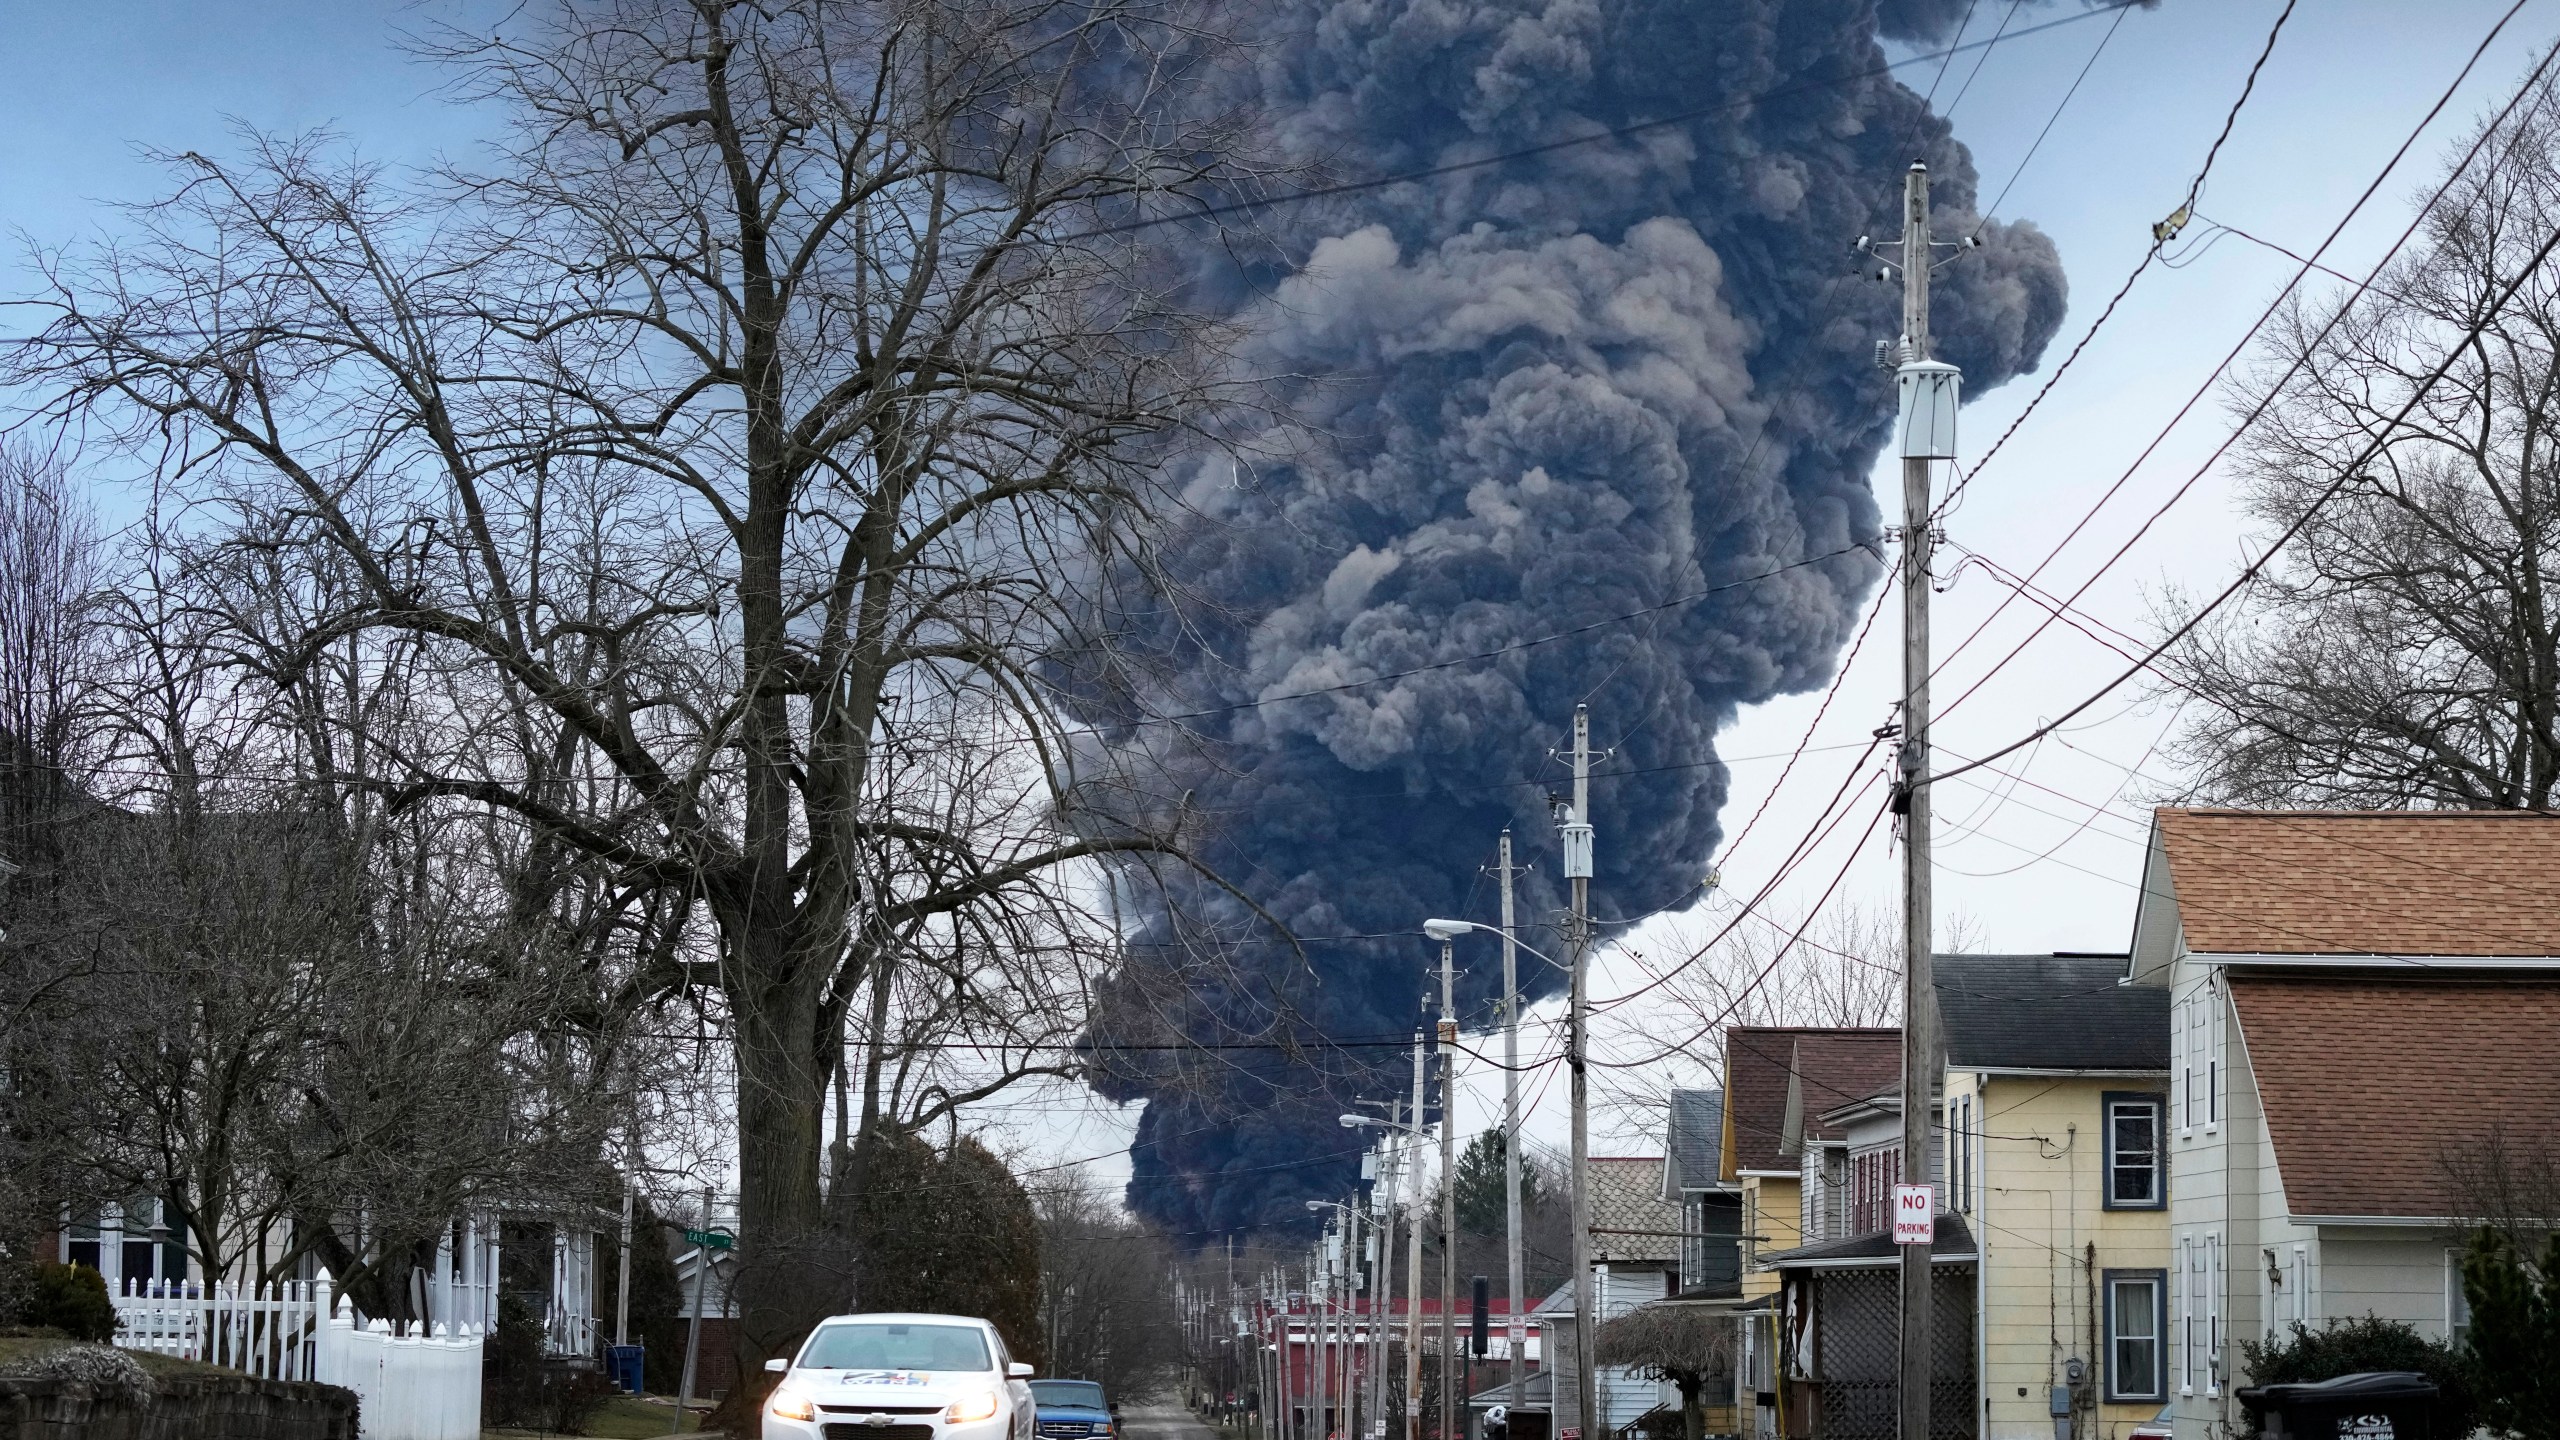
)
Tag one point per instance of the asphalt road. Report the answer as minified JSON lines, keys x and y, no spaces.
{"x":1162,"y":1420}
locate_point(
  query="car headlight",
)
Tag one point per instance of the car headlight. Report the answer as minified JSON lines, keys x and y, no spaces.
{"x":789,"y":1406}
{"x":981,"y":1406}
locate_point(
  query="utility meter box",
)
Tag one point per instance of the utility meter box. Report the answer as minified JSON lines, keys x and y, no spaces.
{"x":1929,"y":392}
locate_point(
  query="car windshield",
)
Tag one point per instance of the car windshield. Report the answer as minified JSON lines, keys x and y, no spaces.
{"x":1067,"y":1392}
{"x":881,"y":1346}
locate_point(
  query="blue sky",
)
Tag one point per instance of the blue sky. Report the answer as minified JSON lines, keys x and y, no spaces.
{"x":95,"y":84}
{"x":2033,"y":866}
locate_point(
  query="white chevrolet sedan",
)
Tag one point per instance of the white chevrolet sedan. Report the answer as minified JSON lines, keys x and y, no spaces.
{"x":900,"y":1377}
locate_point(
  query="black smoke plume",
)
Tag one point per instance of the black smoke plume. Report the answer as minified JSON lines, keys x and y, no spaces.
{"x":1541,"y":393}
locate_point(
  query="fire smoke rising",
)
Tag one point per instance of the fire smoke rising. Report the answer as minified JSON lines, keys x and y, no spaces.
{"x":1548,"y":392}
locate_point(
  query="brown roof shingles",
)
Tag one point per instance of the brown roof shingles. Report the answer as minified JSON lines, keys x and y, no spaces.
{"x":2406,"y":882}
{"x":1839,"y":1064}
{"x":2378,"y":1089}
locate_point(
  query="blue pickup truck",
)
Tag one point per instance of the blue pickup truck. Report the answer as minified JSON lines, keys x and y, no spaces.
{"x":1072,"y":1410}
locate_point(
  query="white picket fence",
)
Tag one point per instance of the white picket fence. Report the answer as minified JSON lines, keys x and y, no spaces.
{"x":414,"y":1383}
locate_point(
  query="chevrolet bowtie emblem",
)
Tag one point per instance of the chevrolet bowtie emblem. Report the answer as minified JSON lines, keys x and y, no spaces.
{"x":876,"y":1421}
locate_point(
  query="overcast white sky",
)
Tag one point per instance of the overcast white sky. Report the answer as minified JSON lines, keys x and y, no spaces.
{"x":2044,"y":861}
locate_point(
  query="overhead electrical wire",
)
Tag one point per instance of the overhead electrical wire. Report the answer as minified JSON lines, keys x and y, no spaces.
{"x":1620,"y":132}
{"x":2250,"y":573}
{"x":2195,"y":188}
{"x":2240,"y":347}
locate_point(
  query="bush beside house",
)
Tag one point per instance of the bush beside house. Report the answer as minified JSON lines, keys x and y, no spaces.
{"x":2352,"y":1347}
{"x":2515,"y":1335}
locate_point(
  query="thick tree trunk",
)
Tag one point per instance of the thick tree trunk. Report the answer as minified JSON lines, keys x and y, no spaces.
{"x":786,"y":1275}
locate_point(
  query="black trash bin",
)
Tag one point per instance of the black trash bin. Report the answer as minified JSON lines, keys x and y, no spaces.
{"x":2373,"y":1405}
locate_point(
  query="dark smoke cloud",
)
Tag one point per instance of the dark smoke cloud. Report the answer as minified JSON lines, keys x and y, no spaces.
{"x":1544,"y":393}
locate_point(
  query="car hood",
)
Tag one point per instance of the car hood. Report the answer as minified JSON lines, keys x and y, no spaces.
{"x":893,"y":1390}
{"x":1073,"y":1412}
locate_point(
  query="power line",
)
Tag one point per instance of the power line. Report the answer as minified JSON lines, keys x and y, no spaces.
{"x":2240,"y":346}
{"x":2249,"y":574}
{"x":2059,"y":106}
{"x":2248,"y":87}
{"x":1683,"y":117}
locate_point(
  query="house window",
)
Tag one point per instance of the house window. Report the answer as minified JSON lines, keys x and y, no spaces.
{"x":1960,"y":1174}
{"x":2137,"y":1317}
{"x":2457,"y":1305}
{"x":2133,"y":1168}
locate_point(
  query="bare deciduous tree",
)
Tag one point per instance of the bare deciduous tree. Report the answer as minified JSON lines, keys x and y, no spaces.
{"x":782,"y":382}
{"x":2405,"y":651}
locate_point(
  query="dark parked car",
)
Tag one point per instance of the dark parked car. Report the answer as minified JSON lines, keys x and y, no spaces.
{"x":1072,"y":1410}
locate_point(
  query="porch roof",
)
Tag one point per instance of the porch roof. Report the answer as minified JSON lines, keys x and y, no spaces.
{"x":1952,"y":1241}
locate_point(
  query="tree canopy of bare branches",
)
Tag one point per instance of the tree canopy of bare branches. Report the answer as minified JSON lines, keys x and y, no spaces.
{"x":2405,"y":651}
{"x":718,"y":468}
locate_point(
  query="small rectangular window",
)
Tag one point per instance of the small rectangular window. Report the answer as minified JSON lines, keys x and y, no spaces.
{"x":2134,"y":1172}
{"x":2136,"y":1323}
{"x":2457,"y":1305}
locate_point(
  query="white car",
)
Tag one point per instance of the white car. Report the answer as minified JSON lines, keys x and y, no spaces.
{"x":900,"y":1377}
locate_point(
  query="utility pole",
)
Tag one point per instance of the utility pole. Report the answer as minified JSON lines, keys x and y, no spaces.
{"x":1448,"y":1188}
{"x":1577,"y":868}
{"x":622,"y":1280}
{"x":1389,"y":1156}
{"x":1413,"y":1276}
{"x":1321,"y":1294}
{"x":702,"y":1253}
{"x":1927,"y":391}
{"x":1511,"y":1133}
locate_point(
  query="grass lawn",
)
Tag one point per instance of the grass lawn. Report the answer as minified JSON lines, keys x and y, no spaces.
{"x":17,"y":1347}
{"x":622,"y":1418}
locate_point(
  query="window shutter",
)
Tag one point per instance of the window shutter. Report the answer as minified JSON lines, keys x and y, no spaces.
{"x":2186,"y":1321}
{"x":2178,"y":1063}
{"x":2213,"y":1313}
{"x":2213,"y":1081}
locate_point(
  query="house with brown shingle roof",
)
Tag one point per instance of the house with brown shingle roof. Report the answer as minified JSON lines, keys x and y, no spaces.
{"x":1779,"y":1080}
{"x":2360,"y":1004}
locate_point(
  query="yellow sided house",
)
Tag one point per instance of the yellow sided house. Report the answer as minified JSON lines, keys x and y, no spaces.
{"x":1779,"y":1080}
{"x":2055,"y":1104}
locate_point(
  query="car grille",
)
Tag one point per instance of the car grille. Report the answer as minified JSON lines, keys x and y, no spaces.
{"x":858,"y":1430}
{"x":1065,"y":1427}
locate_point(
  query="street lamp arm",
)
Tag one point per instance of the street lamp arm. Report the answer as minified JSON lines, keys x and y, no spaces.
{"x":1445,"y":930}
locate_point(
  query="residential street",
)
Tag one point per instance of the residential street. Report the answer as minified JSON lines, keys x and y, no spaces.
{"x":1162,"y":1420}
{"x":1469,"y":719}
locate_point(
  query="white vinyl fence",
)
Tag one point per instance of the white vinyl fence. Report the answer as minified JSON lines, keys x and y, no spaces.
{"x":417,"y":1384}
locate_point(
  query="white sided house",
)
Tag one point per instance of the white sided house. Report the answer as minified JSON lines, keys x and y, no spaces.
{"x":2361,"y":1005}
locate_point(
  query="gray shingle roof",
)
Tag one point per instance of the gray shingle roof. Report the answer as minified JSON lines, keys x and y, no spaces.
{"x":1627,"y":1207}
{"x":1690,"y":1141}
{"x":2049,"y":1012}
